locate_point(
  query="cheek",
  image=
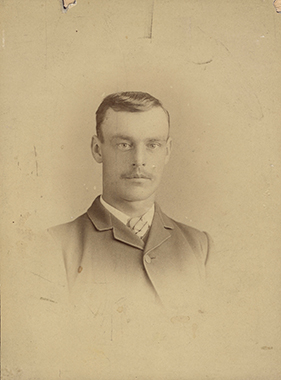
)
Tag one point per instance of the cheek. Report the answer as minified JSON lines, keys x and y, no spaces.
{"x":111,"y":158}
{"x":157,"y":163}
{"x":115,"y":165}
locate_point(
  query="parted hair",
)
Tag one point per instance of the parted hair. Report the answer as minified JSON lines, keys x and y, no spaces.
{"x":129,"y":101}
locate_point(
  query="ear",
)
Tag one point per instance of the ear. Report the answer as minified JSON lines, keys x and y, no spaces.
{"x":96,"y":149}
{"x":168,"y":149}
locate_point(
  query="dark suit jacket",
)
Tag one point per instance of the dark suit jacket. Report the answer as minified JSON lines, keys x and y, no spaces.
{"x":107,"y":264}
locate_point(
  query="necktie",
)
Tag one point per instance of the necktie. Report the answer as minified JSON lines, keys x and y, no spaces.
{"x":138,"y":226}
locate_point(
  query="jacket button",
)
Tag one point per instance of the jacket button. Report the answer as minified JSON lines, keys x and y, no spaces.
{"x":147,"y":259}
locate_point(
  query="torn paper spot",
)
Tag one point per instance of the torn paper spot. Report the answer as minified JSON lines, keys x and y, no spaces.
{"x":36,"y":160}
{"x":149,"y":21}
{"x":66,"y":4}
{"x":277,"y":4}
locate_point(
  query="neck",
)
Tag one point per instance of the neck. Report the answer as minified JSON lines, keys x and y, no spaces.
{"x":130,"y":208}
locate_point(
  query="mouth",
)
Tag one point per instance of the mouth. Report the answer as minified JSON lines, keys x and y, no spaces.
{"x":136,"y":177}
{"x":138,"y":180}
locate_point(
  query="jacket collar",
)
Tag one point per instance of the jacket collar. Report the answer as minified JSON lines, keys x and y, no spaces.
{"x":103,"y":220}
{"x":159,"y":230}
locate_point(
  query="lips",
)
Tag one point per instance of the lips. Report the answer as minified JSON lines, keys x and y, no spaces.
{"x":136,"y":176}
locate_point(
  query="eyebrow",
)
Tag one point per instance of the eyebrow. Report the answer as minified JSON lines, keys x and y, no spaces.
{"x":124,"y":137}
{"x":158,"y":139}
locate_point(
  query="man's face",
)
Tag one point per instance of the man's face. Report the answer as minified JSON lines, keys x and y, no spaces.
{"x":135,"y":148}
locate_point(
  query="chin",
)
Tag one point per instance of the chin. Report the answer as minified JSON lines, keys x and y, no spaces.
{"x":137,"y":196}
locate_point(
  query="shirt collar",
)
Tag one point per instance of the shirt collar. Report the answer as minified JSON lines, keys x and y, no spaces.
{"x":124,"y":218}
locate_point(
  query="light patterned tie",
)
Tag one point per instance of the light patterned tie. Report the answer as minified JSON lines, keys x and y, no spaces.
{"x":138,"y":226}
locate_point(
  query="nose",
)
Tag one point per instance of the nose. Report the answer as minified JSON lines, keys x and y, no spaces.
{"x":139,"y":156}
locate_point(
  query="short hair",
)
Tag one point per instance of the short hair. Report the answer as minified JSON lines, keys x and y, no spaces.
{"x":129,"y":101}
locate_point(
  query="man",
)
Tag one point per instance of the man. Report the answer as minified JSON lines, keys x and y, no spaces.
{"x":124,"y":250}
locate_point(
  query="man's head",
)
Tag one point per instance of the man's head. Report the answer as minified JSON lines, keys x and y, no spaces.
{"x":130,"y":101}
{"x":133,"y":144}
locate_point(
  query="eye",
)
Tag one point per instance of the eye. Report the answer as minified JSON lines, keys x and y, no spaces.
{"x":154,"y":145}
{"x":124,"y":146}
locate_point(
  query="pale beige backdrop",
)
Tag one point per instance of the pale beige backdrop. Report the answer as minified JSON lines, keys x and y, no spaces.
{"x":216,"y":67}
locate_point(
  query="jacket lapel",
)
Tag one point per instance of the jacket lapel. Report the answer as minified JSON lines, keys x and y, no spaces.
{"x":125,"y":235}
{"x":172,"y":268}
{"x":159,"y":231}
{"x":103,"y":220}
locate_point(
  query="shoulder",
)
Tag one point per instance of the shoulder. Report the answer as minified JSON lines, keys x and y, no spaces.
{"x":200,"y":241}
{"x":70,"y":239}
{"x":76,"y":227}
{"x":196,"y":237}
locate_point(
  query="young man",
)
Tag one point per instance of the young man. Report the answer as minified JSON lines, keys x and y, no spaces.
{"x":124,"y":247}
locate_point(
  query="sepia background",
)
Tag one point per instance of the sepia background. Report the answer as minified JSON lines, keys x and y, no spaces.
{"x":216,"y":67}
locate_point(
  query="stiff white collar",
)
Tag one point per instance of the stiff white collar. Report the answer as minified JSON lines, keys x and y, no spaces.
{"x":124,"y":218}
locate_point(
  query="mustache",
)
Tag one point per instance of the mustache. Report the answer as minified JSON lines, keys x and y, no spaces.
{"x":136,"y":174}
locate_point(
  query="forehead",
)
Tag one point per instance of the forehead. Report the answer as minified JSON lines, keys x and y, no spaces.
{"x":137,"y":125}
